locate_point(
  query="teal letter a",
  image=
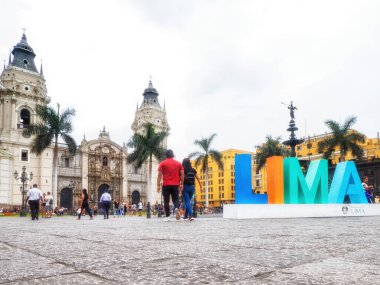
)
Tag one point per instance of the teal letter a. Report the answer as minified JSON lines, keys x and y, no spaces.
{"x":313,"y":189}
{"x":346,"y":181}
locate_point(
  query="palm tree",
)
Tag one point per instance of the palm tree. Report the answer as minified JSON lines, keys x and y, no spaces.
{"x":271,"y":147}
{"x":344,"y":137}
{"x":52,"y":126}
{"x":146,"y":146}
{"x":202,"y":157}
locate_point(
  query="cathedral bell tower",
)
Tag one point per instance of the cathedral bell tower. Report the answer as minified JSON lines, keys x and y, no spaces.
{"x":150,"y":111}
{"x":22,"y":89}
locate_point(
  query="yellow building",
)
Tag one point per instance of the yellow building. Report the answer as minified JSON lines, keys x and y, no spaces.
{"x":221,"y":183}
{"x":308,"y":150}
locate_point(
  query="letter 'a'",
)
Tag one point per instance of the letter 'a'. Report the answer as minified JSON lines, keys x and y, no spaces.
{"x":346,"y":181}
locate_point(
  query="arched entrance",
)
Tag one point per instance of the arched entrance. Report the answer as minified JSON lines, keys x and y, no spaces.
{"x":66,"y":198}
{"x":135,"y":197}
{"x":102,"y":188}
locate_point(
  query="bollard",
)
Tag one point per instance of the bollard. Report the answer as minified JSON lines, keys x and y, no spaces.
{"x":195,"y":208}
{"x":148,"y":211}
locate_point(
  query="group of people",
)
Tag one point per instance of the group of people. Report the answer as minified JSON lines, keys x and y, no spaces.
{"x":173,"y":179}
{"x":176,"y":178}
{"x":35,"y":197}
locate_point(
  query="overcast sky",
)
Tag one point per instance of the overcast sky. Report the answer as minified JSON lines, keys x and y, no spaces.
{"x":220,"y":66}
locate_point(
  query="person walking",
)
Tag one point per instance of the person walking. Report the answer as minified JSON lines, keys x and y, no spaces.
{"x":189,"y":186}
{"x":171,"y":173}
{"x":85,"y":205}
{"x":105,"y":202}
{"x":34,"y":197}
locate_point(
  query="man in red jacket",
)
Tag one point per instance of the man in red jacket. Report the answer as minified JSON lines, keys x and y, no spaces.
{"x":171,"y":172}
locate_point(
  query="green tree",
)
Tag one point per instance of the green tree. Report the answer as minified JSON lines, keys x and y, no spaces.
{"x":271,"y":147}
{"x":51,"y":127}
{"x":145,"y":147}
{"x":202,"y":157}
{"x":343,"y":137}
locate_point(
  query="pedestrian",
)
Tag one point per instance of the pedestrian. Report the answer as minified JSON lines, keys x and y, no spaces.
{"x":125,"y":209}
{"x":133,"y":209}
{"x":43,"y":208}
{"x":85,"y":205}
{"x":367,"y":189}
{"x":189,"y":186}
{"x":49,"y":205}
{"x":34,"y":197}
{"x":171,"y":173}
{"x":115,"y":208}
{"x":121,"y":209}
{"x":105,"y":202}
{"x":140,"y":207}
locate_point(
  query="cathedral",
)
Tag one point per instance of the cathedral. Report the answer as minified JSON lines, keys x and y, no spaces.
{"x":99,"y":163}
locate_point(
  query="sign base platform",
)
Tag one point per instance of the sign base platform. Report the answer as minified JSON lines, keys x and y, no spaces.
{"x":279,"y":211}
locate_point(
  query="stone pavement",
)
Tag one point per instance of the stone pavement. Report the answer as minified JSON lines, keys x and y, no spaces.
{"x":136,"y":250}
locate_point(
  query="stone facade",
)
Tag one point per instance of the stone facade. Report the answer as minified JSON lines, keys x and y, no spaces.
{"x":99,"y":164}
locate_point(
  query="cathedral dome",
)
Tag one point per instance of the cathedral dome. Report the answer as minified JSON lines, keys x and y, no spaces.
{"x":23,"y":55}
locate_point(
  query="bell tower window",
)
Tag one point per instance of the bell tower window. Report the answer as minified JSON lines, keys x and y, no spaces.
{"x":24,"y":119}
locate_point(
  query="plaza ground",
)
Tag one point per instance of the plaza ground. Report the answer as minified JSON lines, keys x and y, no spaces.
{"x":210,"y":250}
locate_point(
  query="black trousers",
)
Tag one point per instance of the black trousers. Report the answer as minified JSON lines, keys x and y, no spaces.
{"x":34,"y":208}
{"x":167,"y":191}
{"x":106,"y":208}
{"x":88,"y":210}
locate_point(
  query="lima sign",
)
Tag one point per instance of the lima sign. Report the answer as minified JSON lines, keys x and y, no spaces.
{"x":288,"y":185}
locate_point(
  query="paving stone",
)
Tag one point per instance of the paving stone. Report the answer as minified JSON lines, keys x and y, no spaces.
{"x":136,"y":250}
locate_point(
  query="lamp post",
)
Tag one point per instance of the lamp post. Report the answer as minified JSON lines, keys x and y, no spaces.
{"x":24,"y":179}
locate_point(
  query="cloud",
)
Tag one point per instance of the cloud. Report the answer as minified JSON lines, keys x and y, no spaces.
{"x":220,"y":66}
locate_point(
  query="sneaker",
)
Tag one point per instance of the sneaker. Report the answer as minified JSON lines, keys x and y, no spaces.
{"x":190,"y":219}
{"x":167,"y":219}
{"x":177,"y":214}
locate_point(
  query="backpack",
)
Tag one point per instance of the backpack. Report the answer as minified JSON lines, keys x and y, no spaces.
{"x":189,"y":177}
{"x":51,"y":201}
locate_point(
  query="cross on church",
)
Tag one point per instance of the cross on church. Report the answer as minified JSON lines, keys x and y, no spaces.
{"x":24,"y":30}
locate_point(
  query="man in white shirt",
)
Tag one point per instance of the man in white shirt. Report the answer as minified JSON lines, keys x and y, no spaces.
{"x":34,"y":196}
{"x":105,"y":202}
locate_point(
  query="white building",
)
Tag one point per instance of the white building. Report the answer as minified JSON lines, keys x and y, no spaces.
{"x":99,"y":163}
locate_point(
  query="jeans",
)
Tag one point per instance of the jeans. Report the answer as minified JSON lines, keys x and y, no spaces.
{"x":106,"y":206}
{"x":187,"y":193}
{"x":167,"y":191}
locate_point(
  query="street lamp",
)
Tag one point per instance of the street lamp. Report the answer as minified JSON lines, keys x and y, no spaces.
{"x":24,"y":178}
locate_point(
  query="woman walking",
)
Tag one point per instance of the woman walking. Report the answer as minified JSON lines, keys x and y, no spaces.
{"x":85,"y":204}
{"x":189,"y":187}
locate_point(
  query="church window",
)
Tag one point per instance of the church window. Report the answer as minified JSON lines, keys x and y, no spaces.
{"x":24,"y":118}
{"x":105,"y":161}
{"x":24,"y":155}
{"x":25,"y":61}
{"x":67,"y":162}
